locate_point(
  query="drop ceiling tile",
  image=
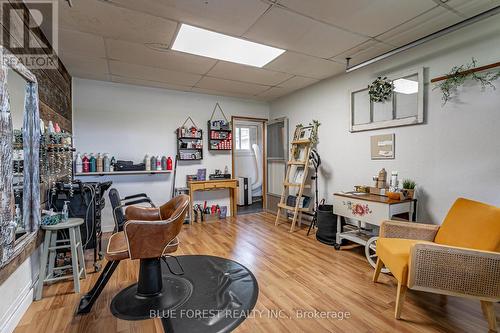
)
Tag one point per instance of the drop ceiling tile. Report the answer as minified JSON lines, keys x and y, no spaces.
{"x":272,"y":93}
{"x":227,"y":16}
{"x":152,"y":73}
{"x":104,"y":19}
{"x":432,"y":21}
{"x":297,"y":82}
{"x":148,"y":83}
{"x":470,"y":8}
{"x":236,"y":72}
{"x":81,"y":43}
{"x":363,"y":52}
{"x":368,"y":17}
{"x":79,"y":65}
{"x":221,"y":93}
{"x":212,"y":83}
{"x":304,"y":65}
{"x":140,"y":54}
{"x":290,"y":31}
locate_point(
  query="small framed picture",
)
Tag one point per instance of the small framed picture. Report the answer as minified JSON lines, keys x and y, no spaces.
{"x":306,"y":133}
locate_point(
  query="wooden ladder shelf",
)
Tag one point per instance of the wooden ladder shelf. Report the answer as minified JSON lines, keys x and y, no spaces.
{"x":293,"y":164}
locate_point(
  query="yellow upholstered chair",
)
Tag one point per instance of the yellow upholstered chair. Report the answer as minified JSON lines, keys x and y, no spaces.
{"x":459,"y":258}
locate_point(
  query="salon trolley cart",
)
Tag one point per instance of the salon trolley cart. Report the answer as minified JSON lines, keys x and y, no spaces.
{"x":367,"y":211}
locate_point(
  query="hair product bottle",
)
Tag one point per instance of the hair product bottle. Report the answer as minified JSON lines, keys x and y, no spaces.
{"x":99,"y":165}
{"x":163,"y":163}
{"x":158,"y":163}
{"x":112,"y":164}
{"x":78,"y":163}
{"x":106,"y":162}
{"x":85,"y":163}
{"x":153,"y":162}
{"x":147,"y":162}
{"x":93,"y":162}
{"x":169,"y":163}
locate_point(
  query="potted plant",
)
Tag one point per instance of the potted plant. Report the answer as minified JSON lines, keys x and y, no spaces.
{"x":409,"y":188}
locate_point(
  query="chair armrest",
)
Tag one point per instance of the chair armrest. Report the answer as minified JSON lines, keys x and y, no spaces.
{"x":142,"y":213}
{"x":139,"y":195}
{"x":408,"y":230}
{"x":149,"y":239}
{"x":455,"y":271}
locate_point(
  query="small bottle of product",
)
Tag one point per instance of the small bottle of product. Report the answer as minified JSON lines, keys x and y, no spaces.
{"x":51,"y":127}
{"x":65,"y":211}
{"x":112,"y":164}
{"x":394,"y":180}
{"x":99,"y":165}
{"x":153,"y":162}
{"x":158,"y":163}
{"x":93,"y":163}
{"x":163,"y":163}
{"x":169,"y":163}
{"x":106,"y":162}
{"x":147,"y":162}
{"x":85,"y":163}
{"x":78,"y":163}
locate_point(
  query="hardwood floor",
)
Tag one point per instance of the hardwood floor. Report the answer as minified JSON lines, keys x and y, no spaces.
{"x":295,"y":274}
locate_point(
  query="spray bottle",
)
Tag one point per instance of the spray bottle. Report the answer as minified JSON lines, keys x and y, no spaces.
{"x":112,"y":164}
{"x":65,"y":211}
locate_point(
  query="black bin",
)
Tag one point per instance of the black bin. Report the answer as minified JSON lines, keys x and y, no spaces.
{"x":327,"y":225}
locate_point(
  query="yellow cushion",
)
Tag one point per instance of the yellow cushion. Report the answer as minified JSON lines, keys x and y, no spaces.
{"x":394,"y":253}
{"x":471,"y":224}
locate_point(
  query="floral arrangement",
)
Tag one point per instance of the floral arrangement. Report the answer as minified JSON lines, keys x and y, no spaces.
{"x":358,"y":209}
{"x":380,"y":90}
{"x":459,"y":74}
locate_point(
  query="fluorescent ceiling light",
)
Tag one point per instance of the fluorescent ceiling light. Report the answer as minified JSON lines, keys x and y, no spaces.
{"x":215,"y":45}
{"x":405,"y":86}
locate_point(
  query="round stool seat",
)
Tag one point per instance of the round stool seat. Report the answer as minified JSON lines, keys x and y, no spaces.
{"x":70,"y":223}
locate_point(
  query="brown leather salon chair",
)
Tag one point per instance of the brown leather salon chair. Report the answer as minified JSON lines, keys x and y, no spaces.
{"x":150,"y":235}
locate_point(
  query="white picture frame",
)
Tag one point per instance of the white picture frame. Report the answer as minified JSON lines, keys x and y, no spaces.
{"x":359,"y":104}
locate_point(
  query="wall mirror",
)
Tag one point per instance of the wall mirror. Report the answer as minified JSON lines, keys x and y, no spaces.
{"x":19,"y":156}
{"x":405,"y":106}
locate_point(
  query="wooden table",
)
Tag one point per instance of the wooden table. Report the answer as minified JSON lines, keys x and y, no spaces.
{"x":369,"y":209}
{"x":208,"y":185}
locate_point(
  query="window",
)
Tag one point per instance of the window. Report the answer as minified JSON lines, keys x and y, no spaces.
{"x":242,"y":138}
{"x":405,"y":107}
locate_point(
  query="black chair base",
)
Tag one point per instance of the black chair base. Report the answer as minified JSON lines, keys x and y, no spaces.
{"x":154,"y":295}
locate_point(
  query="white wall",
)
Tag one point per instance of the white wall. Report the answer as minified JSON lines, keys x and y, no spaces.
{"x":17,"y":292}
{"x":129,"y":121}
{"x":455,"y":153}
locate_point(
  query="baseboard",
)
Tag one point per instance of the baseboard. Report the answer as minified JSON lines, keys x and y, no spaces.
{"x":17,"y":309}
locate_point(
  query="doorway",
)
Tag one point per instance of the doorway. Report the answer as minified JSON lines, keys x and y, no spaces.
{"x":249,"y":166}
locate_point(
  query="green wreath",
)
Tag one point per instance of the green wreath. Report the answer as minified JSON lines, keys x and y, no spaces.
{"x":380,"y":90}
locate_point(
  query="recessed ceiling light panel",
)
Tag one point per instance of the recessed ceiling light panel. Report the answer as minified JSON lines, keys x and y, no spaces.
{"x":219,"y":46}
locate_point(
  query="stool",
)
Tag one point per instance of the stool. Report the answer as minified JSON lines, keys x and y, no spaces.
{"x":51,"y":244}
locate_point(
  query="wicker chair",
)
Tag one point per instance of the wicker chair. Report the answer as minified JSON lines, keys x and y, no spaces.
{"x":459,"y":258}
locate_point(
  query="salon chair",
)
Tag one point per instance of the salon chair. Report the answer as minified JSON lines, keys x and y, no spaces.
{"x":150,"y":235}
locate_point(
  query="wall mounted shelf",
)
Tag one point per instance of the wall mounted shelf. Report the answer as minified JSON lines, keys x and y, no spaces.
{"x":122,"y":173}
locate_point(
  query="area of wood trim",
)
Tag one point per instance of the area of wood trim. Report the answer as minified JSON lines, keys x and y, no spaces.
{"x":22,"y":251}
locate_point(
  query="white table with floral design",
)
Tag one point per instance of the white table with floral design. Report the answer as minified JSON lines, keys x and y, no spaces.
{"x":369,"y":209}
